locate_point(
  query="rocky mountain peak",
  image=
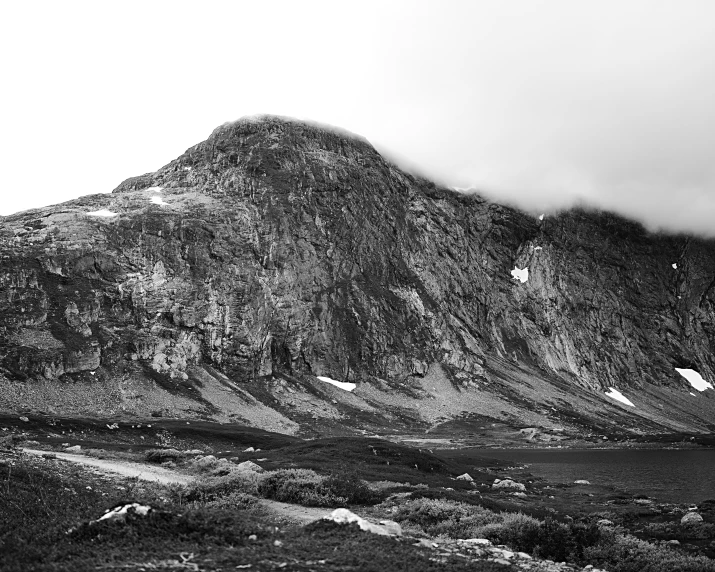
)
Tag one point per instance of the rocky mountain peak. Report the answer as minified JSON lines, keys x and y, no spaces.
{"x":289,"y":132}
{"x":262,"y":146}
{"x":277,"y":251}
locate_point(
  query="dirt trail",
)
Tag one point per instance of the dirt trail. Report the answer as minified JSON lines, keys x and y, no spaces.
{"x":295,"y":512}
{"x":292,"y":512}
{"x":124,"y":468}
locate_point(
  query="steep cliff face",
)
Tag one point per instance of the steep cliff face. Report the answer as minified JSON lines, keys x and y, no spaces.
{"x":276,"y":251}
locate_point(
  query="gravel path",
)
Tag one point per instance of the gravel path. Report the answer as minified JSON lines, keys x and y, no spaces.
{"x":124,"y":468}
{"x":295,"y":513}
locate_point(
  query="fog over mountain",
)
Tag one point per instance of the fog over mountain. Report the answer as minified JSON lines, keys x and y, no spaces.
{"x":537,"y":104}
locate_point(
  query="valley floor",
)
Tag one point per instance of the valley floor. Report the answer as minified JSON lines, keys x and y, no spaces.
{"x":210,"y":514}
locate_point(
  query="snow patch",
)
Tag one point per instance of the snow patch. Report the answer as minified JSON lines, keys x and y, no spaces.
{"x":154,"y":189}
{"x":157,"y":200}
{"x":541,"y":217}
{"x":691,"y":393}
{"x":695,"y":379}
{"x":538,"y":248}
{"x":521,"y":274}
{"x":102,"y":212}
{"x":674,"y":265}
{"x":347,"y":386}
{"x":618,"y":396}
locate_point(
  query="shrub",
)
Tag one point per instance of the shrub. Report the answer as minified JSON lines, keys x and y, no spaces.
{"x":623,"y":553}
{"x":232,"y":501}
{"x":428,"y":513}
{"x":443,"y":517}
{"x":163,"y":455}
{"x":300,"y":486}
{"x":208,"y":489}
{"x":346,"y":484}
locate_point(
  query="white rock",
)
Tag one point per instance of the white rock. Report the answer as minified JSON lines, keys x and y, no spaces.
{"x":392,"y":527}
{"x":120,"y":512}
{"x":581,"y":482}
{"x":508,"y":484}
{"x":690,"y":518}
{"x":344,"y":516}
{"x":249,"y":450}
{"x":74,"y":449}
{"x":249,"y":466}
{"x":465,"y":477}
{"x":524,"y":556}
{"x":501,"y":553}
{"x":478,"y":541}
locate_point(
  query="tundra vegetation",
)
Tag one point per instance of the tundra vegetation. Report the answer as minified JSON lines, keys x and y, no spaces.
{"x":49,"y":511}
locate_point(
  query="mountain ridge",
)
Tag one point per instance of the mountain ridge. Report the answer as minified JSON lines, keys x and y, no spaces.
{"x":276,"y":251}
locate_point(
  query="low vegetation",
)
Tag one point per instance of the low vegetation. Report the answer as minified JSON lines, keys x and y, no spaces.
{"x":581,"y":543}
{"x":46,"y":509}
{"x":220,"y":522}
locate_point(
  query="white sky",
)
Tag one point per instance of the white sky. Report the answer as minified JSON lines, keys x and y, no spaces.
{"x":537,"y":103}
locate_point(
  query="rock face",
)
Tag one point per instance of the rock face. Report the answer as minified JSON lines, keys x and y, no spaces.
{"x":276,"y":251}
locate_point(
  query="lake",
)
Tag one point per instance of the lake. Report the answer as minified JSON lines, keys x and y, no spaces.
{"x":677,"y":476}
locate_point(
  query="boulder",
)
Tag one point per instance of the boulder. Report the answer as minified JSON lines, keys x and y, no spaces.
{"x":691,"y":518}
{"x":581,"y":482}
{"x":385,"y":528}
{"x":509,"y":485}
{"x":119,"y":512}
{"x":249,"y":466}
{"x":465,"y":477}
{"x":477,"y":541}
{"x":73,"y":449}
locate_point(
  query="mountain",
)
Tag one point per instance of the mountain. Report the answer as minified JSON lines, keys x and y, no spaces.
{"x":276,"y":251}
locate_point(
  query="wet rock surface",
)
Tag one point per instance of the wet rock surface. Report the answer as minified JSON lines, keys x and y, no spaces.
{"x":281,"y":251}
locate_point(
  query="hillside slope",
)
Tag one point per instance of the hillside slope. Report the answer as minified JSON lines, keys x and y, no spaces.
{"x":276,"y":251}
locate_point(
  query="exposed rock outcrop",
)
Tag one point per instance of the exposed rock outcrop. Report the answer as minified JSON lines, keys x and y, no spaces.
{"x":281,"y":251}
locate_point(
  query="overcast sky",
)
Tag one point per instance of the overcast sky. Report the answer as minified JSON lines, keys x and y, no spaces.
{"x":536,"y":103}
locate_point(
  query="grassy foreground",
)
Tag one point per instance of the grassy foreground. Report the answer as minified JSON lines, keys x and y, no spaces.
{"x":45,"y":508}
{"x":219,"y":523}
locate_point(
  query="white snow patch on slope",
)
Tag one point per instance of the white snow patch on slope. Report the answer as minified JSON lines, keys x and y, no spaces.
{"x":691,"y":393}
{"x":102,"y":212}
{"x":154,"y":189}
{"x":347,"y":386}
{"x":674,"y":265}
{"x":618,"y":396}
{"x":521,"y":274}
{"x":695,"y":379}
{"x":541,"y":217}
{"x":157,"y":200}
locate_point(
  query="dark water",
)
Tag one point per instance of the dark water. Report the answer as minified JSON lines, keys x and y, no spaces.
{"x":669,"y":476}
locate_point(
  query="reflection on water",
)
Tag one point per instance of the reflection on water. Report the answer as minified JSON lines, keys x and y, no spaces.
{"x":669,"y":476}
